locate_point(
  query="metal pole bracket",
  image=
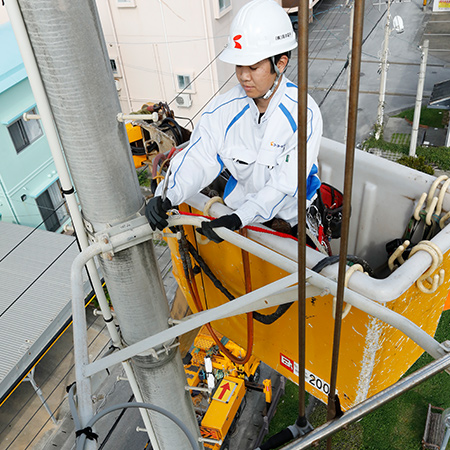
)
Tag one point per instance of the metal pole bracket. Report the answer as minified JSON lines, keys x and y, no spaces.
{"x":124,"y":235}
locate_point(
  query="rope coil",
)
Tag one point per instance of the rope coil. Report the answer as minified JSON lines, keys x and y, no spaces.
{"x":348,"y":274}
{"x":397,"y":255}
{"x":437,"y":258}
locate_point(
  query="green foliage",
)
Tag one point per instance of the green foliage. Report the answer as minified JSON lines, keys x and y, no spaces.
{"x":159,"y":243}
{"x":440,"y":156}
{"x":437,"y":156}
{"x":287,"y":410}
{"x":381,"y":144}
{"x":94,"y":301}
{"x":399,"y":425}
{"x":435,"y":118}
{"x":143,"y":177}
{"x":401,"y":138}
{"x":417,"y":163}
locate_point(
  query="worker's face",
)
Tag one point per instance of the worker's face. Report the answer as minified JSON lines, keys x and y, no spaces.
{"x":258,"y":78}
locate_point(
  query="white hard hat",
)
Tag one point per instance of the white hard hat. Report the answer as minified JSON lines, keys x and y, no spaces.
{"x":260,"y":30}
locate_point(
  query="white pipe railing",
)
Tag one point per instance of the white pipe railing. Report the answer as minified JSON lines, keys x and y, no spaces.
{"x":371,"y":404}
{"x":273,"y":294}
{"x":379,"y":290}
{"x":121,"y":117}
{"x":46,"y":116}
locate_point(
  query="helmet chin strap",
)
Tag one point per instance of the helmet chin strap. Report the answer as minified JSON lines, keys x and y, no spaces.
{"x":275,"y":83}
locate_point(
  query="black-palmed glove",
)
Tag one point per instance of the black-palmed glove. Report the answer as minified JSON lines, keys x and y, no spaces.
{"x":231,"y":221}
{"x":156,"y":212}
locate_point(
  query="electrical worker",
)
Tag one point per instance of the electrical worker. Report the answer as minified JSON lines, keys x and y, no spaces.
{"x":251,"y":130}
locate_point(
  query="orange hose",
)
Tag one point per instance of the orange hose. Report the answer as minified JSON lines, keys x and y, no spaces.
{"x":195,"y":296}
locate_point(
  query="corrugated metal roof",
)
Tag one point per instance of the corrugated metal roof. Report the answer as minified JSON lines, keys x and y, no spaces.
{"x":34,"y":295}
{"x":440,"y":97}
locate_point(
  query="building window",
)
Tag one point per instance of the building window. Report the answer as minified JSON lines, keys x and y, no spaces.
{"x":114,"y":66}
{"x":126,"y":3}
{"x":184,"y":83}
{"x":24,"y":133}
{"x":224,"y":4}
{"x":52,"y":207}
{"x":222,"y":7}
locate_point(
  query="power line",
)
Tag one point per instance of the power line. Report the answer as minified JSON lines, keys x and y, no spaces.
{"x":29,"y":234}
{"x":348,"y":59}
{"x":194,"y":79}
{"x":62,"y":380}
{"x":141,"y":42}
{"x":215,"y":93}
{"x":36,"y":279}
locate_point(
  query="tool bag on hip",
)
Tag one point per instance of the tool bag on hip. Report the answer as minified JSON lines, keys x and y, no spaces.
{"x":329,"y":203}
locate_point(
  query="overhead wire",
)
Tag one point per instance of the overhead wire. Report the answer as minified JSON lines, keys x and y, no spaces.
{"x":31,"y":232}
{"x":62,"y":380}
{"x":215,"y":93}
{"x":149,"y":42}
{"x":324,"y":27}
{"x":36,"y":279}
{"x":346,"y":64}
{"x":194,"y":79}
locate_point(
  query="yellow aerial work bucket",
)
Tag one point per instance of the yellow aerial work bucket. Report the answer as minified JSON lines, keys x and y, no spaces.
{"x":373,"y":354}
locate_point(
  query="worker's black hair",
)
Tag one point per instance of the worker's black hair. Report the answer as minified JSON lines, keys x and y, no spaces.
{"x":277,"y":58}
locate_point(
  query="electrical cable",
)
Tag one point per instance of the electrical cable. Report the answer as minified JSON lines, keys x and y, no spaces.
{"x":266,"y":319}
{"x":186,"y":87}
{"x":218,"y":90}
{"x":348,"y":58}
{"x":140,"y":42}
{"x":113,"y":427}
{"x":36,"y":279}
{"x":29,"y":234}
{"x":62,"y":380}
{"x":330,"y":260}
{"x":326,"y":27}
{"x":82,"y":438}
{"x":184,"y":246}
{"x":185,"y":118}
{"x":175,"y":128}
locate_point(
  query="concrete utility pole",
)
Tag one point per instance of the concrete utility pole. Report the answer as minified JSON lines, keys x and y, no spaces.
{"x":383,"y":73}
{"x":67,"y":41}
{"x":416,"y":120}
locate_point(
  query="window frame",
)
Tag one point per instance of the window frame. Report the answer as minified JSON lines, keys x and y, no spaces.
{"x":190,"y":76}
{"x":219,"y":12}
{"x":59,"y":214}
{"x":24,"y":129}
{"x":114,"y":67}
{"x":126,"y":3}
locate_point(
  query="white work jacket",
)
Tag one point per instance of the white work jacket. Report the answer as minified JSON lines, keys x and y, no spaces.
{"x":260,"y":153}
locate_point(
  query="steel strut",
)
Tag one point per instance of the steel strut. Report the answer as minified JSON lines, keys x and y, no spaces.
{"x":333,"y":401}
{"x":303,"y":18}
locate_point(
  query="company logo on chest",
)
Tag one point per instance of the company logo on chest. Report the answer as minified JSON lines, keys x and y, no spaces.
{"x":277,"y":146}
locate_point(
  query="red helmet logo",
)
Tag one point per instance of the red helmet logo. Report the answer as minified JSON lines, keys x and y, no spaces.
{"x":236,"y":43}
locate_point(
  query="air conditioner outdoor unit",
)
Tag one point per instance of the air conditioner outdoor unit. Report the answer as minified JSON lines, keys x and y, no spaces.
{"x":184,"y":100}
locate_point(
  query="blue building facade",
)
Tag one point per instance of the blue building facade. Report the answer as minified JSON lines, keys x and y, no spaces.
{"x":29,"y":187}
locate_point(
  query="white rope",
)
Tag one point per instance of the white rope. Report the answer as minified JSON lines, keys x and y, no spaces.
{"x":348,"y":274}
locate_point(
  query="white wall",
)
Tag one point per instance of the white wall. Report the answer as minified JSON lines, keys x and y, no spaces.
{"x":155,"y":40}
{"x":3,"y":15}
